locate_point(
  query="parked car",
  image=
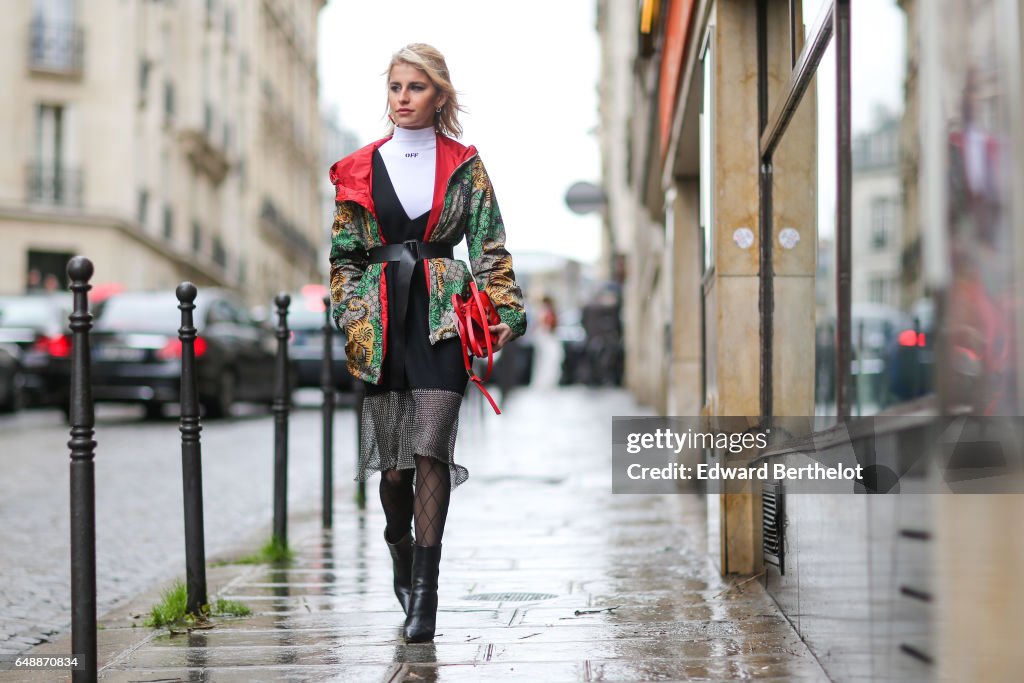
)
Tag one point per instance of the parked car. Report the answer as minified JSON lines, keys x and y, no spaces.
{"x":306,"y":317}
{"x":137,"y":354}
{"x":873,"y":329}
{"x":910,"y":355}
{"x":12,"y":380}
{"x":37,"y":325}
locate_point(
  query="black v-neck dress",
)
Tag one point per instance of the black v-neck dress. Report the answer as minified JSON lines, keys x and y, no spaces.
{"x":417,"y":413}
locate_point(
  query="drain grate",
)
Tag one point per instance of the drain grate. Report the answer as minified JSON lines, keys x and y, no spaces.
{"x":510,"y":597}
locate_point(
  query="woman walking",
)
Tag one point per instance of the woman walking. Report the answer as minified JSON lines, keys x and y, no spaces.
{"x":402,"y":202}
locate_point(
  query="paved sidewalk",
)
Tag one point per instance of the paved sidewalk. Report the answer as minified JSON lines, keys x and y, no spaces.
{"x":545,"y":577}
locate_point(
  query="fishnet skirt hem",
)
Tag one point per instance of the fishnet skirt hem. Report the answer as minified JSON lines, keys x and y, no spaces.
{"x":397,"y":425}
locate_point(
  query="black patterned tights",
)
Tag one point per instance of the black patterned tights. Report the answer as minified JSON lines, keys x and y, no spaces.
{"x":428,"y":505}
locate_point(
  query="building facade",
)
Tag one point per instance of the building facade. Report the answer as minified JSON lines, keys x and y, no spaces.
{"x":818,"y":204}
{"x":164,"y":140}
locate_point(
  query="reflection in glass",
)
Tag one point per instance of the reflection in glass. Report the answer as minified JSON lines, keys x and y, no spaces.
{"x":811,"y":10}
{"x":983,"y":302}
{"x":886,"y":290}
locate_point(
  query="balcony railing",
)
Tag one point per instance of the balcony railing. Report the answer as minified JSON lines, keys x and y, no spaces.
{"x":57,"y":185}
{"x":56,"y":47}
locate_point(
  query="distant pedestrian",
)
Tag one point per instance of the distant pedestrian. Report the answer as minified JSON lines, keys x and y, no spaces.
{"x":548,"y":354}
{"x":402,"y":202}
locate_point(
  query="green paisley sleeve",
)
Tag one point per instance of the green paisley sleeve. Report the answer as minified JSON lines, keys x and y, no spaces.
{"x":348,"y":262}
{"x":491,"y":262}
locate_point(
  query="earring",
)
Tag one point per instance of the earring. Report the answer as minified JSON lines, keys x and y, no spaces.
{"x":439,"y":110}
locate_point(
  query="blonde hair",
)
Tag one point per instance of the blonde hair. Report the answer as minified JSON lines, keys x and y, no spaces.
{"x":430,"y":61}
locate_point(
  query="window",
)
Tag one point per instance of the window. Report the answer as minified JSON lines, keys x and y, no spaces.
{"x":168,"y":100}
{"x":50,"y":135}
{"x":56,"y":42}
{"x":220,"y":256}
{"x":882,"y":214}
{"x":168,"y":222}
{"x":197,"y":237}
{"x":207,"y":120}
{"x":876,"y":290}
{"x":51,"y":179}
{"x":145,"y":68}
{"x":142,"y":210}
{"x":243,"y":71}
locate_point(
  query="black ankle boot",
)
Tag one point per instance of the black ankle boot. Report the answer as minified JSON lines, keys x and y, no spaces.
{"x":401,"y":561}
{"x":419,"y":624}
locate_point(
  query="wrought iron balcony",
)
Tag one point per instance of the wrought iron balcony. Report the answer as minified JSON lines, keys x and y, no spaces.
{"x":57,"y":185}
{"x":56,"y":47}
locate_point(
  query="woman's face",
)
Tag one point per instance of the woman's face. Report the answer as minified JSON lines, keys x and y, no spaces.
{"x":412,"y":98}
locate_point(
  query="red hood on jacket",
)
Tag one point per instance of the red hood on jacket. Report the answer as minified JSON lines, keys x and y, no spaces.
{"x":353,"y":176}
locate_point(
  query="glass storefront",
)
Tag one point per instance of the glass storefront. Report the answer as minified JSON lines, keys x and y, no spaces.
{"x":916,"y":226}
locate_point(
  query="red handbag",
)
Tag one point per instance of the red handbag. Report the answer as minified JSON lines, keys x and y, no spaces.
{"x":474,"y":315}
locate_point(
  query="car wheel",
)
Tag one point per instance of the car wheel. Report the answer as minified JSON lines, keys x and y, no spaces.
{"x":219,"y":406}
{"x":15,"y":395}
{"x":153,"y":411}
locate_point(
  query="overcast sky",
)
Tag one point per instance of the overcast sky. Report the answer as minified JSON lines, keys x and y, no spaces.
{"x":526,"y":70}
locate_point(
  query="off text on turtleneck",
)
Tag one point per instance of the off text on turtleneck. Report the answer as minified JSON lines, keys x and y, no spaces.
{"x":411,"y":159}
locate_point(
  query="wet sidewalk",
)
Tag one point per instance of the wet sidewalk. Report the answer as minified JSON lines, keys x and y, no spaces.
{"x":545,"y":577}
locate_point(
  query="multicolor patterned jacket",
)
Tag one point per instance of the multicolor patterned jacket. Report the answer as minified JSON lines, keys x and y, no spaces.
{"x":464,"y":205}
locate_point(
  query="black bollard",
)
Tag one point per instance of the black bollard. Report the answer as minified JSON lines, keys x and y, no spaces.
{"x":83,"y":484}
{"x":327,"y":384}
{"x":281,"y":386}
{"x":191,"y":456}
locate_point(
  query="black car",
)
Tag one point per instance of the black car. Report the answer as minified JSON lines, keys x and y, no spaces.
{"x":306,"y":317}
{"x":11,"y":380}
{"x":137,"y":355}
{"x":37,"y":325}
{"x":910,"y":357}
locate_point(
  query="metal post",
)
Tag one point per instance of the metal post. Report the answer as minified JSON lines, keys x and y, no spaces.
{"x":191,"y":456}
{"x":858,"y":384}
{"x":841,"y":30}
{"x":327,"y":385}
{"x":918,"y":352}
{"x":83,"y":485}
{"x":280,"y":408}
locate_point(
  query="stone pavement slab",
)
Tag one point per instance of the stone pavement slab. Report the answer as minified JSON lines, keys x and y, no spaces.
{"x":545,"y":577}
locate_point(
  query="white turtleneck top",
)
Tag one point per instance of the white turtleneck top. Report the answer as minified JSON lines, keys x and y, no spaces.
{"x":411,"y":159}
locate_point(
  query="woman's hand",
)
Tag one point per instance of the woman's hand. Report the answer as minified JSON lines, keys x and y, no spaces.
{"x":501,"y":334}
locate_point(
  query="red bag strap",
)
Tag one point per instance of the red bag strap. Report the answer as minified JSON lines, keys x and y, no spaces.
{"x":467,"y":336}
{"x":477,"y":299}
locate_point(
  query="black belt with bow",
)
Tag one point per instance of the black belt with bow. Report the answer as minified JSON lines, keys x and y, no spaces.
{"x":405,"y":255}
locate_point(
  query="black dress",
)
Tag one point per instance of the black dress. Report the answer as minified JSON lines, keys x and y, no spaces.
{"x":416,"y":413}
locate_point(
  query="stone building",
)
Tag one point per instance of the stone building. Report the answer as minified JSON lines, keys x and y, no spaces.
{"x":164,"y":140}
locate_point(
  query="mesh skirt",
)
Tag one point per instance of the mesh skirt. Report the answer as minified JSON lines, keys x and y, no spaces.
{"x":399,"y":424}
